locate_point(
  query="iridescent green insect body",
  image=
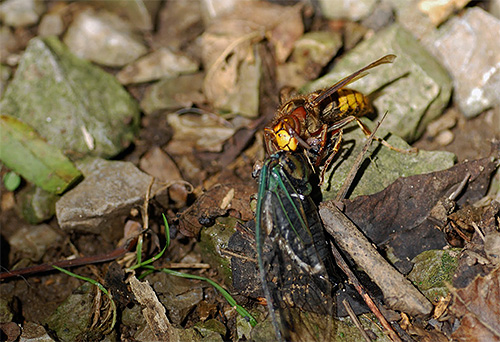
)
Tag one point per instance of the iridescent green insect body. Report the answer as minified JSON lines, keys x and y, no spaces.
{"x":296,"y":268}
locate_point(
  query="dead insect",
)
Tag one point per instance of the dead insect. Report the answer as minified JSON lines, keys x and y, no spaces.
{"x":296,"y":268}
{"x":310,"y":120}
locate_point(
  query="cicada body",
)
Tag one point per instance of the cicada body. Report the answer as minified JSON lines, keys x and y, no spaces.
{"x":296,"y":268}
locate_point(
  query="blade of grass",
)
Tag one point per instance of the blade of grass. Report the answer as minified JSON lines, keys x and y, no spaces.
{"x":99,"y":286}
{"x":241,"y":310}
{"x":150,"y":269}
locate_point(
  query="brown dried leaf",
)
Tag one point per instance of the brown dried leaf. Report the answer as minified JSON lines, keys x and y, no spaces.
{"x":398,"y":218}
{"x":478,"y":307}
{"x":213,"y":203}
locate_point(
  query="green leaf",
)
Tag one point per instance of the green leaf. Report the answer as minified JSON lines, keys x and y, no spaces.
{"x":25,"y":152}
{"x":11,"y":180}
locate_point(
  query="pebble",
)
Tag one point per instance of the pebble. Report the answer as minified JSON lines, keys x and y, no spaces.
{"x":103,"y":37}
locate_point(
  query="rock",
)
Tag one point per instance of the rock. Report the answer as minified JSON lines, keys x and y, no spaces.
{"x":5,"y":73}
{"x":100,"y":204}
{"x":213,"y":241}
{"x":73,"y":104}
{"x":156,"y":65}
{"x":52,"y":23}
{"x":432,"y":270}
{"x":33,"y":241}
{"x":495,"y":8}
{"x":6,"y":312}
{"x":311,"y":54}
{"x":173,"y":93}
{"x":414,"y":89}
{"x":8,"y":43}
{"x":113,"y":42}
{"x":350,"y":10}
{"x":36,"y":205}
{"x":73,"y":318}
{"x":33,"y":332}
{"x":178,"y":295}
{"x":209,"y":327}
{"x":382,"y":168}
{"x":200,"y":132}
{"x":159,"y":165}
{"x":439,"y":11}
{"x":179,"y":24}
{"x":19,"y":13}
{"x":476,"y":69}
{"x":140,"y":14}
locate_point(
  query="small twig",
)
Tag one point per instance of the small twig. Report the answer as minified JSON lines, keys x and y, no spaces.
{"x":239,"y":256}
{"x":398,"y":291}
{"x":355,"y":319}
{"x":177,"y":265}
{"x":366,"y":297}
{"x":478,"y":230}
{"x":460,"y":187}
{"x":95,"y":259}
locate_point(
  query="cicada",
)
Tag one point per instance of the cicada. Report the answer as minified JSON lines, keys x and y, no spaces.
{"x":309,"y":121}
{"x":296,"y":268}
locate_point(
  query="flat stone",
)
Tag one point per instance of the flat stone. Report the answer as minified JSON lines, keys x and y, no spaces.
{"x":381,"y":165}
{"x":476,"y":69}
{"x":19,"y":13}
{"x":102,"y":201}
{"x":73,"y":104}
{"x":414,"y":89}
{"x":158,"y":64}
{"x":351,"y":10}
{"x":73,"y":318}
{"x":173,"y":93}
{"x":140,"y":14}
{"x":52,"y":24}
{"x":33,"y":241}
{"x":113,"y":42}
{"x":35,"y":204}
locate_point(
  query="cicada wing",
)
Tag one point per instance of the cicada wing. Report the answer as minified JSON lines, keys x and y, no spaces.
{"x":294,"y":278}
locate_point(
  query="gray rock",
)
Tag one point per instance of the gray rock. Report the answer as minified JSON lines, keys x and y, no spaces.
{"x":71,"y":103}
{"x":33,"y":241}
{"x":178,"y":295}
{"x":382,"y":166}
{"x":19,"y":13}
{"x":52,"y":24}
{"x":35,"y":204}
{"x":414,"y":89}
{"x":104,"y":38}
{"x":100,"y":204}
{"x":469,"y":47}
{"x":73,"y":318}
{"x":495,"y":8}
{"x":342,"y":9}
{"x":173,"y":93}
{"x":156,"y":65}
{"x":140,"y":14}
{"x":34,"y":332}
